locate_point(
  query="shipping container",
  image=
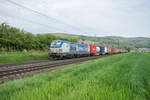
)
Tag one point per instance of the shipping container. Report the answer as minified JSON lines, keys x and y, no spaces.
{"x":117,"y":50}
{"x":98,"y":49}
{"x":109,"y":50}
{"x":121,"y":51}
{"x":114,"y":50}
{"x":103,"y":50}
{"x":93,"y":49}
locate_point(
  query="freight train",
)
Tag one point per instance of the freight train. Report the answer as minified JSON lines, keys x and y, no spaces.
{"x":65,"y":49}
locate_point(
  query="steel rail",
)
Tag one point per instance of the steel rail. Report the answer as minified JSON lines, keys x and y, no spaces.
{"x":39,"y":67}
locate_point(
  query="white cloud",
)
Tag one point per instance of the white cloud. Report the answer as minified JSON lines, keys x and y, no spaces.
{"x":101,"y":17}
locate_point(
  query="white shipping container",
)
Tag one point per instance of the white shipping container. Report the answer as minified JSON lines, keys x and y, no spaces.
{"x":97,"y":49}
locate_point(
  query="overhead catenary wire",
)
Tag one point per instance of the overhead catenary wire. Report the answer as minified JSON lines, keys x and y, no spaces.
{"x":33,"y":22}
{"x":37,"y":23}
{"x":44,"y":15}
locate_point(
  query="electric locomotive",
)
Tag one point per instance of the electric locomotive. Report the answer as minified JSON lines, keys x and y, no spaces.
{"x":59,"y":48}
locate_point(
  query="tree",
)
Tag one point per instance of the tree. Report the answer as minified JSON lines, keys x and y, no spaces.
{"x":128,"y":48}
{"x":13,"y":39}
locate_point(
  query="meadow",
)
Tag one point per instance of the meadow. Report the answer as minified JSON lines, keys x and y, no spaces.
{"x":118,"y":77}
{"x":17,"y":57}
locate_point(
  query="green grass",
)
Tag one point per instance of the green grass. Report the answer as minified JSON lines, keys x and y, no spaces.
{"x":120,"y":77}
{"x":17,"y":57}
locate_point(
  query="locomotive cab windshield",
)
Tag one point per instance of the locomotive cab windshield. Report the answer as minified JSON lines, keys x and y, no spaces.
{"x":55,"y":44}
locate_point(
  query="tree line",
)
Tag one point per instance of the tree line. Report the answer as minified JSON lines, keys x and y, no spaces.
{"x":14,"y":39}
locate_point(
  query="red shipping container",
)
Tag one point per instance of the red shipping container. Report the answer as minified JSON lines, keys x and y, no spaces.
{"x":92,"y":49}
{"x":114,"y":50}
{"x":109,"y":50}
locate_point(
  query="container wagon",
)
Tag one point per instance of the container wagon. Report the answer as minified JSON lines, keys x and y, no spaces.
{"x":92,"y":49}
{"x":103,"y":50}
{"x":108,"y":50}
{"x":97,"y":51}
{"x":114,"y":50}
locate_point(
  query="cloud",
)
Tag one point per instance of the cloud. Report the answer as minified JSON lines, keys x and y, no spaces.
{"x":101,"y":17}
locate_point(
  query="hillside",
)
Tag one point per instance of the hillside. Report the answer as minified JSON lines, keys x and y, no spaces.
{"x":14,"y":39}
{"x":112,"y":41}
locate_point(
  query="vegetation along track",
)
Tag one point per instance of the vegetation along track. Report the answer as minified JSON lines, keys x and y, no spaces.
{"x":17,"y":71}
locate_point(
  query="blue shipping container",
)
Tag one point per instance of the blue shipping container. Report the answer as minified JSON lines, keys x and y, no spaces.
{"x":102,"y":49}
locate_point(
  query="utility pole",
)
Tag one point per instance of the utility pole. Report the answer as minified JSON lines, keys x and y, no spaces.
{"x":95,"y":39}
{"x":118,"y":45}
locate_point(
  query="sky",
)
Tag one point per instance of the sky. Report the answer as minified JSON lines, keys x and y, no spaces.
{"x":127,"y":18}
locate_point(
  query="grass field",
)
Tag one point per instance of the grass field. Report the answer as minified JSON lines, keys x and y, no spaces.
{"x":119,"y":77}
{"x":17,"y":57}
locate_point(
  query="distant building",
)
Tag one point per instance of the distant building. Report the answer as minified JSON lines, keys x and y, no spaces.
{"x":135,"y":50}
{"x":143,"y":50}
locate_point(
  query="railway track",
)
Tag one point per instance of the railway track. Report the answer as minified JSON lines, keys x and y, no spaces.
{"x":14,"y":72}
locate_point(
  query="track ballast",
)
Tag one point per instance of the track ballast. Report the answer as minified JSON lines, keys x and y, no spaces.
{"x":17,"y":71}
